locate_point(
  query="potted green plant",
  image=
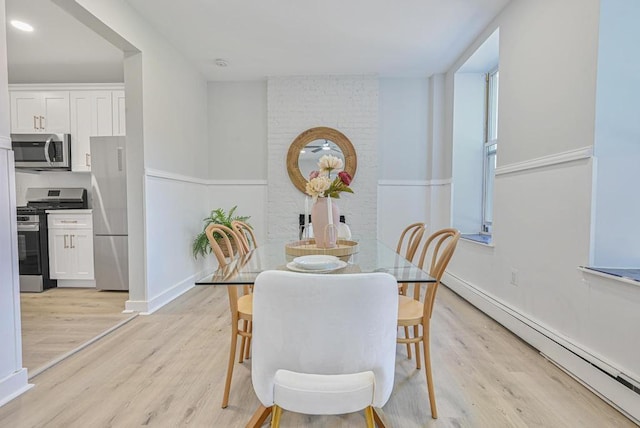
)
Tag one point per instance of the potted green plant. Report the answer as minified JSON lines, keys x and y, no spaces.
{"x":201,"y":245}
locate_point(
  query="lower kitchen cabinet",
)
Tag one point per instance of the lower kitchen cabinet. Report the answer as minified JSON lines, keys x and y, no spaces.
{"x":71,"y":248}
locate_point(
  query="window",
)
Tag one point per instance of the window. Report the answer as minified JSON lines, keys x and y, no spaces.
{"x":490,"y":149}
{"x":475,"y":141}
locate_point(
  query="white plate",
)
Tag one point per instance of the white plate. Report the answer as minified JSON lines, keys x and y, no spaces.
{"x":315,"y":262}
{"x":339,"y":265}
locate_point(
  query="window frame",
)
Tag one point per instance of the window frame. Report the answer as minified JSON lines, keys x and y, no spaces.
{"x":490,"y":142}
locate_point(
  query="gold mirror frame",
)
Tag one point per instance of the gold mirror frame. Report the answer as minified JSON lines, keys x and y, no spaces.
{"x":319,"y":133}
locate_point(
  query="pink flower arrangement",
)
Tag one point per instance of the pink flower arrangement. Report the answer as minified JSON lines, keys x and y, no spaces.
{"x":320,"y":183}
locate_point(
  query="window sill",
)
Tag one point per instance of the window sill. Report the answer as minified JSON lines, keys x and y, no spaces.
{"x":628,"y":276}
{"x":478,"y":238}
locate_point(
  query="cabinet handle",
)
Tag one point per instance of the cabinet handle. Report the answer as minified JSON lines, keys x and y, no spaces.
{"x":68,"y":221}
{"x":35,"y":125}
{"x":87,"y":159}
{"x":41,"y":118}
{"x":65,"y":241}
{"x":71,"y":241}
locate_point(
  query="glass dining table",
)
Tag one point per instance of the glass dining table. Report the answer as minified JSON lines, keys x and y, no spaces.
{"x":371,"y":255}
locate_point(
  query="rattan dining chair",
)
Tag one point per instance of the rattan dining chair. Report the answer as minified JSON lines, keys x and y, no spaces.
{"x":413,"y":234}
{"x":416,"y":313}
{"x":245,"y":232}
{"x":240,"y":306}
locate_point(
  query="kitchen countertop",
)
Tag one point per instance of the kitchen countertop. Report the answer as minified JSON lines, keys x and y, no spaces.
{"x":71,"y":211}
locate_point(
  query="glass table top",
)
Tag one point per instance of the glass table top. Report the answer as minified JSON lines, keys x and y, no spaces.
{"x":371,"y":256}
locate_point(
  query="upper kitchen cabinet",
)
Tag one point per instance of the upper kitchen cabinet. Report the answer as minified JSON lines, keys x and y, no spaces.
{"x":117,"y":98}
{"x":83,"y":110}
{"x":91,"y":116}
{"x":40,"y":112}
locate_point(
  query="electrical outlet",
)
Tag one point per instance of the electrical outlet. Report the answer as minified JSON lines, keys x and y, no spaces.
{"x":514,"y":276}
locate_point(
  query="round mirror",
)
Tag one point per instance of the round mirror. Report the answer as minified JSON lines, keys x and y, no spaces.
{"x":310,"y":146}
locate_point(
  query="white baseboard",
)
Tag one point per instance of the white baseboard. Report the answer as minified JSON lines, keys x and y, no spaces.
{"x":603,"y":385}
{"x":14,"y":385}
{"x":146,"y":307}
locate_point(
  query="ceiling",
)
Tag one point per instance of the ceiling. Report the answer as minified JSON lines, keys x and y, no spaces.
{"x":411,"y":38}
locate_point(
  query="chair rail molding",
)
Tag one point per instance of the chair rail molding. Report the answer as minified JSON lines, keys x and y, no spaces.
{"x":554,"y":159}
{"x":155,"y":173}
{"x":415,"y":183}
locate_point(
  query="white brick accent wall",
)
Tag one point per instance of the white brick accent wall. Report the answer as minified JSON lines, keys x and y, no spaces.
{"x":346,"y":103}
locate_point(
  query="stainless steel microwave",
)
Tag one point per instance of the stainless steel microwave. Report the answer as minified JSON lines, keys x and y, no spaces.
{"x":42,"y":152}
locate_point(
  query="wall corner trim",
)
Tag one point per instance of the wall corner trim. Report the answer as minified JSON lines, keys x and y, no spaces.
{"x":555,"y":159}
{"x":5,"y":142}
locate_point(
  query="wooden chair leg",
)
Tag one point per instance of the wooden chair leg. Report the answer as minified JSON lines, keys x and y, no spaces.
{"x":259,"y":416}
{"x":275,"y":418}
{"x":232,"y":357}
{"x":368,"y":414}
{"x":247,"y":352}
{"x":243,"y":342}
{"x":416,"y":333}
{"x":379,"y":418}
{"x":406,"y":335}
{"x":427,"y":363}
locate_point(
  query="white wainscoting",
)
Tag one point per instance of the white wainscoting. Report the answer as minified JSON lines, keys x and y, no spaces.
{"x":558,"y":349}
{"x":542,"y":228}
{"x":175,"y":207}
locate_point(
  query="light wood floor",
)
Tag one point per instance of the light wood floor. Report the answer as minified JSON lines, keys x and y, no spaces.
{"x":60,"y":320}
{"x":167,"y":370}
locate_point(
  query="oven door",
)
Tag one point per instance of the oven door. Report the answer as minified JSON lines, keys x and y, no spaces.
{"x":29,"y":254}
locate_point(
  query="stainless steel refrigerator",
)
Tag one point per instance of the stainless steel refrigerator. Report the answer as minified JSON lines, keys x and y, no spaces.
{"x":109,"y":195}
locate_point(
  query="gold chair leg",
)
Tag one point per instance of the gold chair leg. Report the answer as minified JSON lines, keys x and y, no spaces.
{"x":232,"y":357}
{"x":427,"y":363}
{"x":275,"y":417}
{"x":368,"y":414}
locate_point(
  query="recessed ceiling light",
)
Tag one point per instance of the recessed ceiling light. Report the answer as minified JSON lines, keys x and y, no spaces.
{"x":21,"y":25}
{"x":221,"y":62}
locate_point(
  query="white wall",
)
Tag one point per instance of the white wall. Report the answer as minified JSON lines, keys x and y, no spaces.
{"x":237,"y":130}
{"x":13,"y":377}
{"x":543,"y":200}
{"x":166,"y":138}
{"x":402,"y":145}
{"x":617,"y":146}
{"x":404,"y":187}
{"x":346,"y":103}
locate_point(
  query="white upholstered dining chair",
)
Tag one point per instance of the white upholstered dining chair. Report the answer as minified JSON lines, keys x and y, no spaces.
{"x":323,"y":344}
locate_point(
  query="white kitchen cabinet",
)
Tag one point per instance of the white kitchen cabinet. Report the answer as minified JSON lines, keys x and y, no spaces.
{"x":71,"y":247}
{"x":91,"y":116}
{"x":117,"y":99}
{"x":40,"y":112}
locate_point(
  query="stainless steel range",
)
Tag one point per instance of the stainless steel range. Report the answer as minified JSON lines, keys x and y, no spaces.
{"x":33,"y":242}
